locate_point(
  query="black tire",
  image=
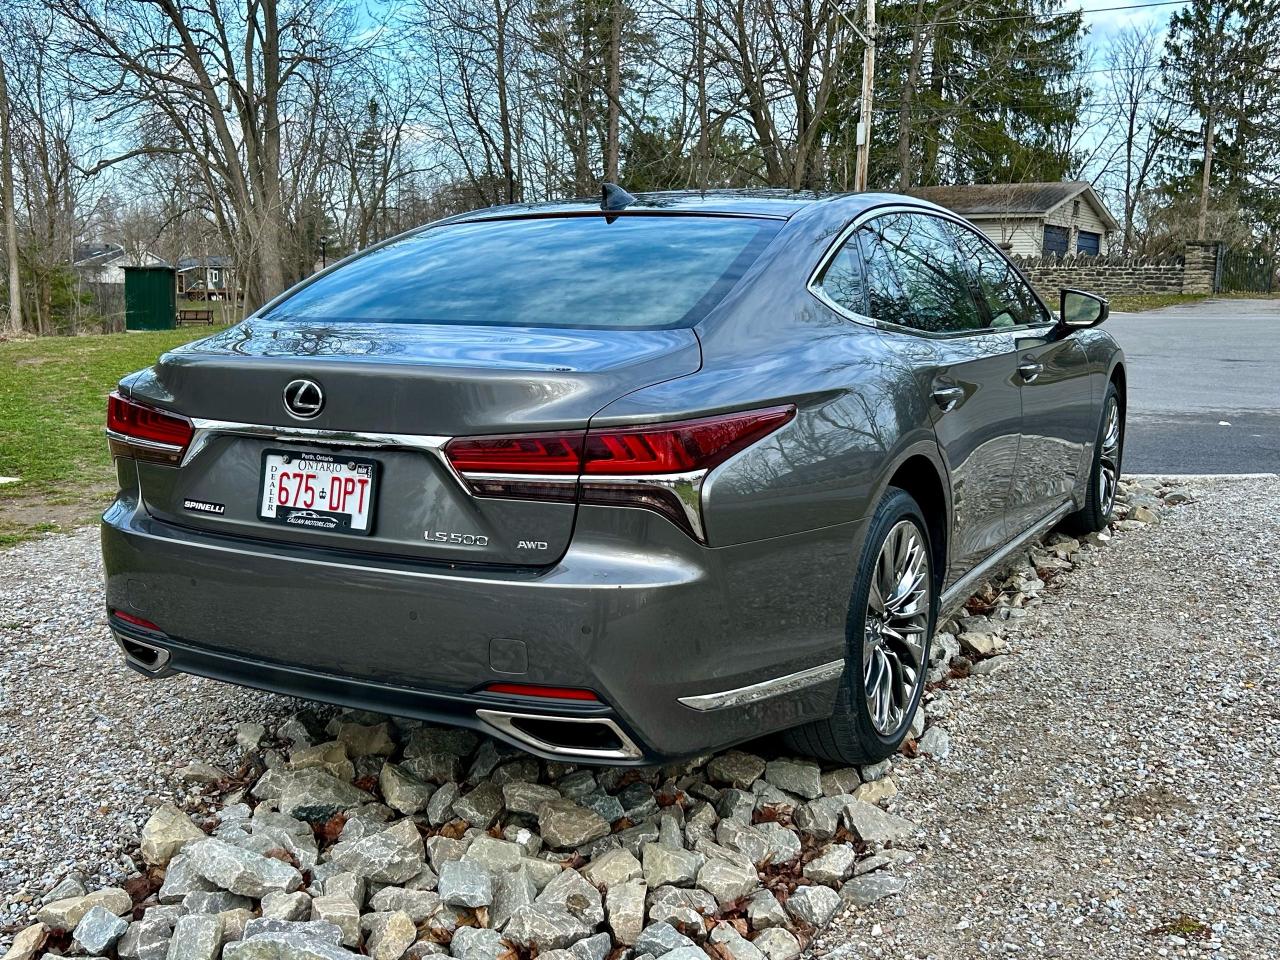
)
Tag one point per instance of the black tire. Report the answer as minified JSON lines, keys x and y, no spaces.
{"x":1099,"y":504}
{"x":849,"y":735}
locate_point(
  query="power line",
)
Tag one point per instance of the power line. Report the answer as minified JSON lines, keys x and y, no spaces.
{"x":1049,"y":16}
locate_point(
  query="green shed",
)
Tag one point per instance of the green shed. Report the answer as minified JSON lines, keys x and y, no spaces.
{"x":150,"y":298}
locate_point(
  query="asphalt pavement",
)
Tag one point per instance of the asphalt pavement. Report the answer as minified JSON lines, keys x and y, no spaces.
{"x":1204,"y":387}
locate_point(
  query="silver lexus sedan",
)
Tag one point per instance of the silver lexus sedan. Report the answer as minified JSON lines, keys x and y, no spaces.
{"x":616,"y":481}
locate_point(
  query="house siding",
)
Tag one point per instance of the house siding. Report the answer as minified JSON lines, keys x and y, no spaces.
{"x":1023,"y":234}
{"x":1088,"y":219}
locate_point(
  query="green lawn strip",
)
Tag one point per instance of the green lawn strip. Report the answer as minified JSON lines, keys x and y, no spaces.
{"x":53,"y":394}
{"x":1154,"y":301}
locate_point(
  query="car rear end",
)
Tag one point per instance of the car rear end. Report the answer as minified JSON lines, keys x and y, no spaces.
{"x":386,"y":490}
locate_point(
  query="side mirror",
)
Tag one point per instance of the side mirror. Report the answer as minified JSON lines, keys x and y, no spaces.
{"x":1079,"y":310}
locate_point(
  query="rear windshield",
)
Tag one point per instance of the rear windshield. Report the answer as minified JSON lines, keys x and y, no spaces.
{"x":639,"y":272}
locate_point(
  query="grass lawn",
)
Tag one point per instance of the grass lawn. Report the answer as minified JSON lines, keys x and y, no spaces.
{"x":1153,"y":301}
{"x":53,"y":394}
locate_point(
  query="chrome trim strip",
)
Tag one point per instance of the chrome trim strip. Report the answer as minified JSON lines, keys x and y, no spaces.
{"x":525,"y":477}
{"x":206,"y":429}
{"x":145,"y":444}
{"x":959,"y":592}
{"x":502,"y":720}
{"x":791,"y":683}
{"x":687,"y":488}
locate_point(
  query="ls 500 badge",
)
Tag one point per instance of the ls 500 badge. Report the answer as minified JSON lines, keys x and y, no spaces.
{"x":465,"y":539}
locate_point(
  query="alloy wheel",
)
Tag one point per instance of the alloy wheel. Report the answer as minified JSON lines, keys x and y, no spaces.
{"x":898,"y":607}
{"x":1109,"y":459}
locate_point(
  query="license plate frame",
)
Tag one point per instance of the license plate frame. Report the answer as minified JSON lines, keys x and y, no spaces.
{"x":311,"y":519}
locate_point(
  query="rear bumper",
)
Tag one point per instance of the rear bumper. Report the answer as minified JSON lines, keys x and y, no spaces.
{"x":681,"y":643}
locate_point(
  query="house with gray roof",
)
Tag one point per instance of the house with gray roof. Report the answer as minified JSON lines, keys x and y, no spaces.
{"x":1031,"y":219}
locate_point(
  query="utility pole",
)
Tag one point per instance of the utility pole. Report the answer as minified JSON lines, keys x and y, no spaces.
{"x":868,"y":86}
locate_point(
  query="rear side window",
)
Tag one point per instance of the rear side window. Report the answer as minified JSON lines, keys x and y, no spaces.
{"x":915,"y":277}
{"x":638,"y":272}
{"x":843,"y":282}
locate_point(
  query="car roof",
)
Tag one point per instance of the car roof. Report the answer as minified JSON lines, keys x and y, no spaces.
{"x":774,"y":203}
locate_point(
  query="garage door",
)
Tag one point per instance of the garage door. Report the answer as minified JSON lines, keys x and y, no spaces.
{"x":1090,"y":243}
{"x":1055,"y":239}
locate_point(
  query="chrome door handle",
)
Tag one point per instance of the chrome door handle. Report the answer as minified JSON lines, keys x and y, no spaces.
{"x":1029,"y":370}
{"x":948,"y":397}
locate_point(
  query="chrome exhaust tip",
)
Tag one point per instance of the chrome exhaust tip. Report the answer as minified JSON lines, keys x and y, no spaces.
{"x":597,"y":738}
{"x":145,"y":657}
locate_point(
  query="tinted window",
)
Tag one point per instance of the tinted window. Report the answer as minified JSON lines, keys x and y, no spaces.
{"x":843,"y":281}
{"x":914,"y":275}
{"x":638,"y":271}
{"x":1007,"y":297}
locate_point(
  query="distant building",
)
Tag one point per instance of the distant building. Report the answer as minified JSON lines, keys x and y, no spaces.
{"x":207,"y":278}
{"x":1031,"y":219}
{"x":104,"y":263}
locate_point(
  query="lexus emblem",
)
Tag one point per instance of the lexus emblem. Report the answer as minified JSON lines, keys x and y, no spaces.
{"x":303,"y":399}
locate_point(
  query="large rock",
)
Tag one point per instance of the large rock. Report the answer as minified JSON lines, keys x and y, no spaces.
{"x":565,"y":824}
{"x":197,"y":936}
{"x":472,"y":943}
{"x":873,"y":825}
{"x":330,"y":757}
{"x":367,"y":740}
{"x":666,"y":865}
{"x":241,"y":871}
{"x":624,"y":907}
{"x":528,"y":798}
{"x":784,"y":843}
{"x":216,"y":901}
{"x":465,"y":884}
{"x":739,"y":947}
{"x":820,"y":818}
{"x":727,"y":881}
{"x":572,"y":892}
{"x":27,"y":942}
{"x":404,"y":791}
{"x":861,"y":891}
{"x":67,"y":914}
{"x":287,"y":906}
{"x":736,"y":768}
{"x":315,"y":796}
{"x":813,"y":905}
{"x":181,"y":879}
{"x":99,"y":929}
{"x":148,"y":938}
{"x":341,"y":913}
{"x":833,"y":866}
{"x":659,"y":939}
{"x":612,"y":868}
{"x":775,"y":943}
{"x":393,"y":855}
{"x":390,"y":934}
{"x":544,"y":926}
{"x":743,"y":839}
{"x":418,"y":904}
{"x":795,"y":776}
{"x":166,"y":832}
{"x":512,"y":890}
{"x":481,"y":806}
{"x":496,"y":856}
{"x":764,"y":911}
{"x":285,"y":945}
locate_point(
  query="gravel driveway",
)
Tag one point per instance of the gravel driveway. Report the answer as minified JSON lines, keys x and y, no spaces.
{"x":1114,"y":792}
{"x":1111,"y":787}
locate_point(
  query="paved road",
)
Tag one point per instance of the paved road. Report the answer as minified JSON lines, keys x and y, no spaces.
{"x":1204,"y":387}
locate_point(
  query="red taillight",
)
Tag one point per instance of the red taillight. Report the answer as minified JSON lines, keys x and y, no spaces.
{"x":655,"y":466}
{"x":678,"y":447}
{"x":551,"y":453}
{"x":536,"y":690}
{"x":136,"y":621}
{"x":146,"y":433}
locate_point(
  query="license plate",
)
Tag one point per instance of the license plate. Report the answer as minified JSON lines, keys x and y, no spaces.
{"x":321,"y":492}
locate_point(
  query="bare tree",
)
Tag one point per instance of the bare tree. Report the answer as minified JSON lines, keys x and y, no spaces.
{"x":14,"y":322}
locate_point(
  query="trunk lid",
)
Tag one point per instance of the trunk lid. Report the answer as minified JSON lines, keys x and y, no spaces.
{"x":409,"y":380}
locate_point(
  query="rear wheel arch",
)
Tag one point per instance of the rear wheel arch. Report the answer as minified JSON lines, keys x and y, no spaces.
{"x":1120,"y":378}
{"x":921,"y":477}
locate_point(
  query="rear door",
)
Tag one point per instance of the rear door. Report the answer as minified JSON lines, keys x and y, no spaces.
{"x":1058,"y":422}
{"x":917,"y":283}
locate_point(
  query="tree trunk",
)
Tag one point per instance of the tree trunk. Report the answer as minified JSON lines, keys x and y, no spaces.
{"x":10,"y":212}
{"x":614,"y":83}
{"x":905,"y":100}
{"x":1202,"y":221}
{"x":504,"y":111}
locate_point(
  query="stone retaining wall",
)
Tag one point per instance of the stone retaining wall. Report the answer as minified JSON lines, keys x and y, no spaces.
{"x":1112,"y":276}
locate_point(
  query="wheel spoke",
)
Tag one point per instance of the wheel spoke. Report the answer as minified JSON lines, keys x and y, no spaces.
{"x":898,"y":606}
